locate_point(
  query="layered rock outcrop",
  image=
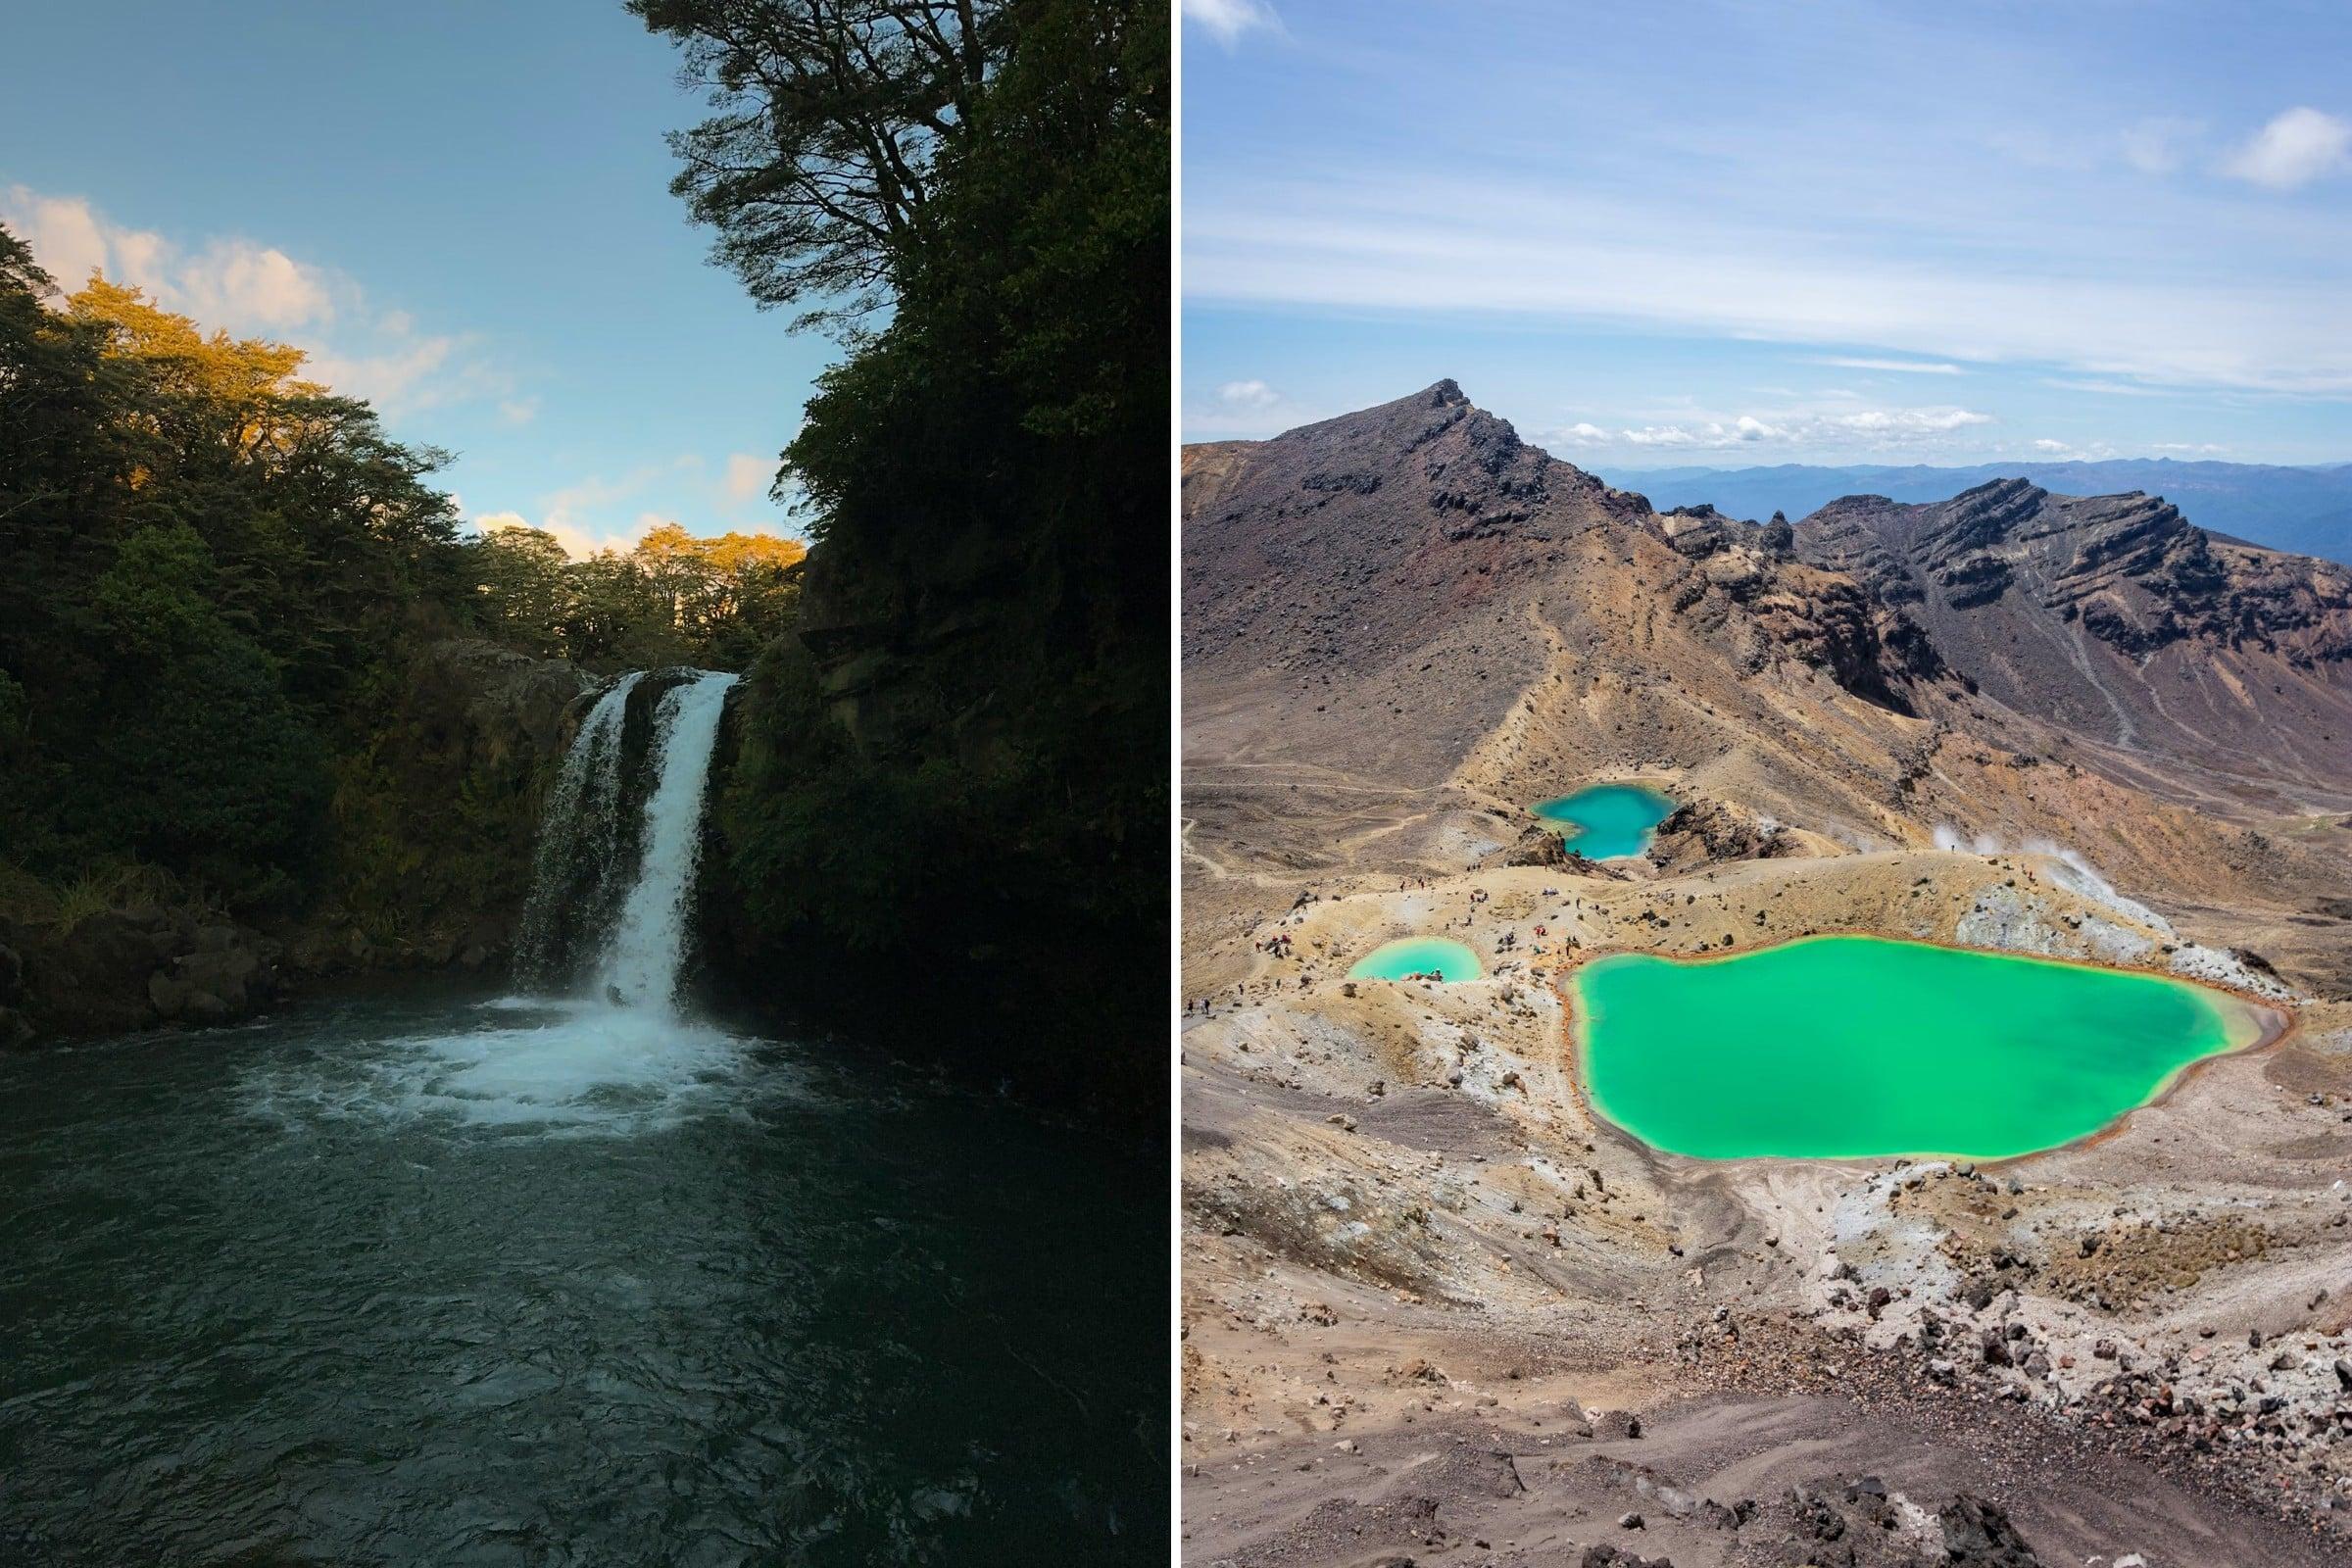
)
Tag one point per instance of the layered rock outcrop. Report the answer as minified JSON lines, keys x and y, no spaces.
{"x":2118,"y":619}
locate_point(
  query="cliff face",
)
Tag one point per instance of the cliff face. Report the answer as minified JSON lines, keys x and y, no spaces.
{"x":428,"y":865}
{"x":952,"y":769}
{"x":2118,"y":619}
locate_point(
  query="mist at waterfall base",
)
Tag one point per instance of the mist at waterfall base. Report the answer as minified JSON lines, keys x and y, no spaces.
{"x":547,"y":1279}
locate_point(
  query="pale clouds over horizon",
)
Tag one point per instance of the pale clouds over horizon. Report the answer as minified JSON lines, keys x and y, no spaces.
{"x":2132,"y":257}
{"x":231,"y":284}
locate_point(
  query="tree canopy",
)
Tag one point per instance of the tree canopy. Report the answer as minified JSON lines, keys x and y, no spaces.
{"x":674,"y":597}
{"x":219,"y":574}
{"x":835,"y":117}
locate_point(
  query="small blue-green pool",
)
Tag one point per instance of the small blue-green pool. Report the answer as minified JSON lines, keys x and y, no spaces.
{"x":1418,"y":956}
{"x":1608,"y":820}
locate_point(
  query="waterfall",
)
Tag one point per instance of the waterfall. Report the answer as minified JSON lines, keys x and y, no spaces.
{"x":649,"y":943}
{"x":575,"y":865}
{"x":614,"y":874}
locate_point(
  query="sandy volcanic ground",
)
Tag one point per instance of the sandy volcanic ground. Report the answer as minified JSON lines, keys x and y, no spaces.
{"x":1436,"y":1309}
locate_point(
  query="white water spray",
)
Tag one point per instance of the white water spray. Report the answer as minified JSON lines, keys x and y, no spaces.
{"x":582,"y":809}
{"x":570,"y":1065}
{"x":647,"y":947}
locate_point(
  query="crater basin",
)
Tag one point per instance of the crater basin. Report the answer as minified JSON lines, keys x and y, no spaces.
{"x":1438,"y":956}
{"x":1607,"y":822}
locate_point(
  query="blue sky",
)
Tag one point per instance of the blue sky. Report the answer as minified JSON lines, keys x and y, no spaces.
{"x":1748,"y":232}
{"x":461,"y":210}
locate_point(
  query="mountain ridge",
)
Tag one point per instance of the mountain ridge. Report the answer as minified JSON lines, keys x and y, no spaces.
{"x":1410,"y":623}
{"x":2299,"y":509}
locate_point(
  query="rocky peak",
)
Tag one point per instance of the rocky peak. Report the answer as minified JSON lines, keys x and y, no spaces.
{"x":1988,"y":515}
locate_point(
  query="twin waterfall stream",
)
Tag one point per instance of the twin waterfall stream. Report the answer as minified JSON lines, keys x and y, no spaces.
{"x":613,"y":878}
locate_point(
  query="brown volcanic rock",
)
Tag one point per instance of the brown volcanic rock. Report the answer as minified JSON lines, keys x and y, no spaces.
{"x":1403,"y":628}
{"x":2118,"y":621}
{"x":1388,"y":549}
{"x":1375,"y":593}
{"x":1404,"y":625}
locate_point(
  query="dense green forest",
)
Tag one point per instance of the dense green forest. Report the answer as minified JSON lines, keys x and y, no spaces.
{"x":957,"y":769}
{"x":229,"y":593}
{"x":218,"y":577}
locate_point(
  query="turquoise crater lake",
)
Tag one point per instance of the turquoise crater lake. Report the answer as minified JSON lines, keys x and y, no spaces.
{"x":1607,"y":822}
{"x":1852,"y":1047}
{"x":1397,"y":960}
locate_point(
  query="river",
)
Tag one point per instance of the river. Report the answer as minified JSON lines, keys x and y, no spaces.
{"x":449,"y":1279}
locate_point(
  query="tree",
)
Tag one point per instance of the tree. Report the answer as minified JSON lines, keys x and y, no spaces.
{"x":216,"y":572}
{"x":835,"y":115}
{"x":201,"y":765}
{"x":525,"y":580}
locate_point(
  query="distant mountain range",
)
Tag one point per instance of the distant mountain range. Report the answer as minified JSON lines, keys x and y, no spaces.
{"x":2307,"y":511}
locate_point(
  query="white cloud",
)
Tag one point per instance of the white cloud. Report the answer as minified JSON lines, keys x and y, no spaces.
{"x":1248,"y":395}
{"x":1873,"y":429}
{"x":2120,"y":389}
{"x":1240,"y":410}
{"x":1505,"y":245}
{"x":1907,"y":367}
{"x":1907,"y":421}
{"x":747,"y":476}
{"x":258,"y":290}
{"x":518,"y":410}
{"x":67,"y":237}
{"x":1228,"y":20}
{"x":405,"y":376}
{"x":2158,"y":146}
{"x":236,"y":280}
{"x":2296,"y":148}
{"x":2069,"y":452}
{"x":229,"y":282}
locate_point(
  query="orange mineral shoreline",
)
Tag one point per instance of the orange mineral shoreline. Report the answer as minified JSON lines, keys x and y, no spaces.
{"x":2272,"y":1021}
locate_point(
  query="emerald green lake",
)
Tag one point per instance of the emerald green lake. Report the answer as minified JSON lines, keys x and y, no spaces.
{"x":1607,"y":821}
{"x":1851,"y":1047}
{"x":1393,"y":960}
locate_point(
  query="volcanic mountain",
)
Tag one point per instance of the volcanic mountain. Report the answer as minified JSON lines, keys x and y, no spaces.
{"x":1432,"y":1294}
{"x":1403,"y":625}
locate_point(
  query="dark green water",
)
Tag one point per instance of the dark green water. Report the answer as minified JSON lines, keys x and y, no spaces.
{"x":425,"y":1281}
{"x":1442,"y":957}
{"x":1855,"y":1045}
{"x":1607,"y":821}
